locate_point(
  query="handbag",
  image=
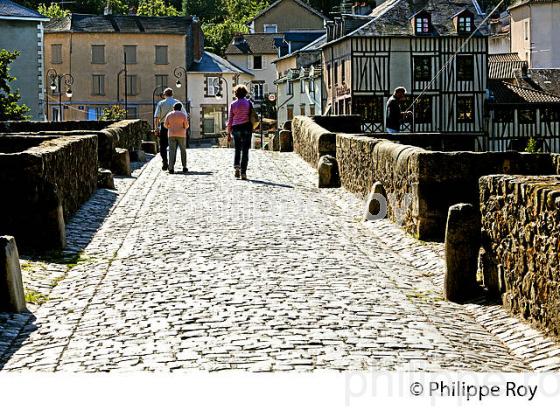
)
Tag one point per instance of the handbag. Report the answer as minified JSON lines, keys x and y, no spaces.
{"x":254,"y":117}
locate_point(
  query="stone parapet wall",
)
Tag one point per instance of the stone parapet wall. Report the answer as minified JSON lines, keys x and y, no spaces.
{"x":521,"y":242}
{"x":37,"y":126}
{"x":421,"y":185}
{"x":53,"y":175}
{"x":311,"y":141}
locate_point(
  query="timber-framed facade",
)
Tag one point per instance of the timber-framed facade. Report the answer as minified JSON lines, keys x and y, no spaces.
{"x":440,"y":58}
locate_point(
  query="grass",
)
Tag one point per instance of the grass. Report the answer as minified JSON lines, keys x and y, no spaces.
{"x":57,"y":280}
{"x":35,"y":298}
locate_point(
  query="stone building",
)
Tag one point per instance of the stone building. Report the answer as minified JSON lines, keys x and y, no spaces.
{"x":419,"y":44}
{"x":211,"y":82}
{"x":92,"y":49}
{"x":21,"y":29}
{"x":499,"y":41}
{"x":287,"y":15}
{"x":299,"y":84}
{"x":535,"y":32}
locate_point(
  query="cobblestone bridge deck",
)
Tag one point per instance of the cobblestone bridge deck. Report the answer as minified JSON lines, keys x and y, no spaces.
{"x":202,"y":271}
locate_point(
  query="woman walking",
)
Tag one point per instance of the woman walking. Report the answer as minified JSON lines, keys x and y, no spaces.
{"x":239,"y":124}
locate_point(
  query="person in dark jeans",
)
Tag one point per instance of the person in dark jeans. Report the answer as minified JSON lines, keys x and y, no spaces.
{"x":239,"y":124}
{"x":394,"y":114}
{"x":163,"y":108}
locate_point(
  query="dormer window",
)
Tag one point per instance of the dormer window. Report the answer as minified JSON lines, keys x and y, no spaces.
{"x":465,"y":24}
{"x":422,"y":23}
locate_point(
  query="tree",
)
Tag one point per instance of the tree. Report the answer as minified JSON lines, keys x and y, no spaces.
{"x":10,"y":110}
{"x":113,"y":113}
{"x":156,"y":8}
{"x":53,"y":10}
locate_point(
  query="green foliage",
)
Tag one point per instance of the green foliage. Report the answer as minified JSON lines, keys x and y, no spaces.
{"x":156,"y":8}
{"x":113,"y":113}
{"x":119,"y":7}
{"x":531,"y":146}
{"x":10,"y":110}
{"x":53,"y":10}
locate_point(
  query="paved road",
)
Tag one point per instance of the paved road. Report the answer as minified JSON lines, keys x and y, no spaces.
{"x":202,"y":271}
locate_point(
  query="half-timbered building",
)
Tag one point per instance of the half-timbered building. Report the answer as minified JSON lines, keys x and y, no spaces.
{"x":434,"y":48}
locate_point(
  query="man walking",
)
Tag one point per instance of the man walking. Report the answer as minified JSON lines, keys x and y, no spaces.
{"x":163,"y":108}
{"x":394,"y":114}
{"x":177,"y":124}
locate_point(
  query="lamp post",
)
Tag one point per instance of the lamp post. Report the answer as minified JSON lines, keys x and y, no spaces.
{"x":181,"y":72}
{"x":55,"y":82}
{"x":220,"y":95}
{"x":125,"y":72}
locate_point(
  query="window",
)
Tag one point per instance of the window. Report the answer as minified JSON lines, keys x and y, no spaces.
{"x":503,"y":115}
{"x":94,"y":113}
{"x":98,"y":84}
{"x":422,"y":68}
{"x":526,"y":116}
{"x":132,"y":84}
{"x":465,"y":24}
{"x":212,"y":87}
{"x":329,"y":75}
{"x":161,"y":55}
{"x":312,"y":86}
{"x":422,"y":24}
{"x":257,"y":62}
{"x":98,"y":54}
{"x":465,"y":109}
{"x":161,"y":81}
{"x":342,"y":71}
{"x":311,"y":110}
{"x":423,"y":110}
{"x":258,"y":91}
{"x":290,"y":109}
{"x":271,"y":28}
{"x":302,"y":109}
{"x":550,"y":115}
{"x":526,"y":30}
{"x":335,"y":73}
{"x":465,"y":68}
{"x":56,"y":53}
{"x":213,"y":119}
{"x":130,"y":53}
{"x":369,"y":108}
{"x":289,"y":88}
{"x":302,"y":86}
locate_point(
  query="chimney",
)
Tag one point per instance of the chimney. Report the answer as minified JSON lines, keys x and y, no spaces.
{"x":363,"y":8}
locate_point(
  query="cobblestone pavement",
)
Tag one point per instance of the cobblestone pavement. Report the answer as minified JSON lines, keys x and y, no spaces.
{"x":202,"y":271}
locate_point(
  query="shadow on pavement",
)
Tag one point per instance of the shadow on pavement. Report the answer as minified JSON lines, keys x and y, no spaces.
{"x":15,"y":329}
{"x":268,"y":183}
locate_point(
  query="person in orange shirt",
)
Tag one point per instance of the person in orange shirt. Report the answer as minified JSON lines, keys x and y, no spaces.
{"x":177,"y":123}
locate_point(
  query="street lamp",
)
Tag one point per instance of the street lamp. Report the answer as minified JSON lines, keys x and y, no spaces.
{"x":181,"y":72}
{"x":55,"y":83}
{"x":219,"y":93}
{"x":125,"y":72}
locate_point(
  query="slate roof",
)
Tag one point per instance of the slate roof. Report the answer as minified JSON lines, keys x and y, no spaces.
{"x":88,"y":23}
{"x":503,"y":66}
{"x":299,"y":2}
{"x":211,"y":63}
{"x":11,"y":10}
{"x":507,"y":93}
{"x":393,"y":17}
{"x":261,"y":43}
{"x":542,"y":79}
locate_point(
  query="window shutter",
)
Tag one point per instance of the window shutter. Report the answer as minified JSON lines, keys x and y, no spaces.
{"x":250,"y":63}
{"x":265,"y":88}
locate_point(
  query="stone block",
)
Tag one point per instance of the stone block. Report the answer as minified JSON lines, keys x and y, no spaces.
{"x":286,"y":143}
{"x":462,"y":245}
{"x":328,"y":172}
{"x":376,"y":203}
{"x":12,"y":296}
{"x":121,"y":162}
{"x":105,"y":179}
{"x":150,"y":147}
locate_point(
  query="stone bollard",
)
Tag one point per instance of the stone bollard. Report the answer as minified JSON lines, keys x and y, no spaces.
{"x":12,"y":296}
{"x":376,"y":203}
{"x":105,"y":179}
{"x":149,"y":147}
{"x":462,"y":245}
{"x":328,"y":172}
{"x":275,"y":142}
{"x":286,"y":141}
{"x":121,"y":162}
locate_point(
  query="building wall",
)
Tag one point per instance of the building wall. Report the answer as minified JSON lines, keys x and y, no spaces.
{"x":267,"y":74}
{"x":541,"y":48}
{"x":289,"y":15}
{"x":76,"y":59}
{"x":499,"y":44}
{"x":25,"y":37}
